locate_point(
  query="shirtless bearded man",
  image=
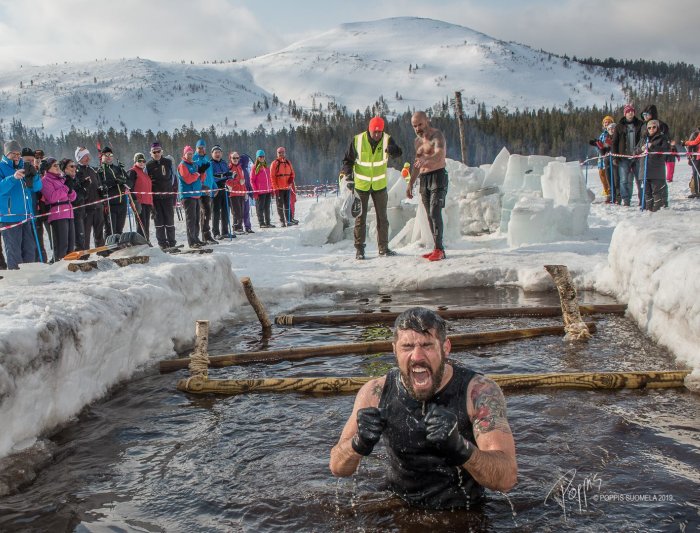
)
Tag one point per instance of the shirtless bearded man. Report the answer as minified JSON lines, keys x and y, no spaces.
{"x":429,"y":166}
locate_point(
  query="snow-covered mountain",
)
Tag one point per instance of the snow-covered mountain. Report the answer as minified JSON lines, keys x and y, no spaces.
{"x":410,"y":62}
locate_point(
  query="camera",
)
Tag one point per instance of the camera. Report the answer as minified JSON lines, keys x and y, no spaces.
{"x":29,"y":173}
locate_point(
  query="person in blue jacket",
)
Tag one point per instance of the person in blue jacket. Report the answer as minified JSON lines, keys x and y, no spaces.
{"x":16,"y":206}
{"x":203,"y":162}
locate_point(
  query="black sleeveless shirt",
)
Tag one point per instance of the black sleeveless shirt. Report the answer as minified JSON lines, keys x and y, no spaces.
{"x":417,"y":473}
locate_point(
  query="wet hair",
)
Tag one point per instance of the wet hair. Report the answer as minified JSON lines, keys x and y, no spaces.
{"x":421,"y":320}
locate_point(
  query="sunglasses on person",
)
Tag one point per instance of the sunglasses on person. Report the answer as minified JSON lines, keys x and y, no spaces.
{"x":156,"y":151}
{"x":235,"y":158}
{"x":71,"y":166}
{"x":652,"y":127}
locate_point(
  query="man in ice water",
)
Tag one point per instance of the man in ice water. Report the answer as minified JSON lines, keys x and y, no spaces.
{"x":444,"y":426}
{"x":429,"y":166}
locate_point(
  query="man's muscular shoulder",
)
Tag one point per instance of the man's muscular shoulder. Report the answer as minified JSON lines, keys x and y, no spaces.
{"x":371,"y":392}
{"x":486,"y":406}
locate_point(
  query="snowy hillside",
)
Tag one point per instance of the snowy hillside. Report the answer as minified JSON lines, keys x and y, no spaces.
{"x":405,"y":60}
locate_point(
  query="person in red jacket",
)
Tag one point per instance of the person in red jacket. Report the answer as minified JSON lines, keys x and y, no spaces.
{"x":282,"y":175}
{"x":143,"y":187}
{"x":694,"y":162}
{"x":235,"y":186}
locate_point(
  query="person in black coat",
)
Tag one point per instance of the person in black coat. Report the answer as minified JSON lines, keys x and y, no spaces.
{"x":114,"y":177}
{"x":93,"y":212}
{"x":163,"y":180}
{"x":653,"y":170}
{"x":625,"y":140}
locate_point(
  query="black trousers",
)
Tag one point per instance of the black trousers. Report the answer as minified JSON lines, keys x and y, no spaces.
{"x":191,"y":206}
{"x":262,"y":208}
{"x":117,"y":218}
{"x":283,"y":205}
{"x":220,"y":218}
{"x":94,"y":221}
{"x":237,"y":204}
{"x":79,"y":224}
{"x":433,"y":190}
{"x":655,"y":196}
{"x":380,"y":199}
{"x":164,"y":221}
{"x":145,"y":217}
{"x":63,"y":232}
{"x":205,"y":217}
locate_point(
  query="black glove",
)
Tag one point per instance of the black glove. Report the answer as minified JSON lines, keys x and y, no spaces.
{"x":442,"y":431}
{"x":69,"y":183}
{"x":102,"y":191}
{"x":228,"y":174}
{"x":351,"y":185}
{"x":203,"y":167}
{"x":370,"y":424}
{"x":593,"y":142}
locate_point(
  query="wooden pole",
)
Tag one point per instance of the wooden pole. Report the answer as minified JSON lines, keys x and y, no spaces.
{"x":573,"y":323}
{"x":199,"y":358}
{"x":257,"y":305}
{"x":508,"y":382}
{"x":463,"y":340}
{"x":459,"y":111}
{"x":447,"y":314}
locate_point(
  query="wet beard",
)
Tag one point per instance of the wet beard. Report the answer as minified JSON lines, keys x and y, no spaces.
{"x":436,"y":377}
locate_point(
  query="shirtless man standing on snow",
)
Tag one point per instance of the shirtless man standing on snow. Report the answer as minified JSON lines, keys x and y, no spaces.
{"x":429,"y":165}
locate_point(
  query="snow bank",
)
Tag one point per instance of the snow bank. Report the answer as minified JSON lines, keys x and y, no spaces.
{"x":658,"y":276}
{"x":66,"y":338}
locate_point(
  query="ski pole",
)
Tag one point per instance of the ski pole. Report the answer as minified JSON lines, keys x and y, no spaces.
{"x":612,"y":180}
{"x":128,"y":212}
{"x":132,"y":204}
{"x":644,"y":183}
{"x":228,"y":215}
{"x":33,"y":219}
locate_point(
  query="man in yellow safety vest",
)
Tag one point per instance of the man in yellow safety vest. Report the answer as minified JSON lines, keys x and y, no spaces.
{"x":366,"y":161}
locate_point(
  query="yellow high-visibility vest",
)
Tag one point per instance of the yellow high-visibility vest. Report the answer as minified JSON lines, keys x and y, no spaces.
{"x":370,"y":166}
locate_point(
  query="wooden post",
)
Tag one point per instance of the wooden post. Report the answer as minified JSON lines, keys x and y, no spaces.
{"x":574,"y":325}
{"x":508,"y":382}
{"x":459,"y":111}
{"x":257,"y":305}
{"x":199,"y":358}
{"x":460,"y":340}
{"x":447,"y":314}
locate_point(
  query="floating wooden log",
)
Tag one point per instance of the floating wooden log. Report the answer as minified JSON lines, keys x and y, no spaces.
{"x":508,"y":382}
{"x":257,"y":305}
{"x":87,"y":266}
{"x":448,"y":314}
{"x":574,"y":325}
{"x":463,"y":340}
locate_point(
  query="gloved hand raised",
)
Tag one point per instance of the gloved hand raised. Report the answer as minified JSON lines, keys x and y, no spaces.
{"x":203,"y":167}
{"x":593,"y":142}
{"x":442,"y":431}
{"x":370,"y":424}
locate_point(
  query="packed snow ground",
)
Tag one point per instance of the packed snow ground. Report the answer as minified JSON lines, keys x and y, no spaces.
{"x":66,"y":338}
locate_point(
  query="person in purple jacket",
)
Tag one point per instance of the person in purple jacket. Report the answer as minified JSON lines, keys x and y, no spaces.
{"x":57,"y":195}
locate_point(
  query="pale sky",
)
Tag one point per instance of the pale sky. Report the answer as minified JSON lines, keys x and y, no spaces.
{"x":49,"y":31}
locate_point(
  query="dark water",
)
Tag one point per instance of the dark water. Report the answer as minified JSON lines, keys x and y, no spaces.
{"x":149,"y":458}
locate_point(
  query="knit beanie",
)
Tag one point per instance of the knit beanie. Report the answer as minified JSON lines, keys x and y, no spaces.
{"x":81,"y":152}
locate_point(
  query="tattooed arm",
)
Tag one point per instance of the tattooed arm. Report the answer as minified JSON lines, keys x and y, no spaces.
{"x":344,"y":459}
{"x":493,"y":463}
